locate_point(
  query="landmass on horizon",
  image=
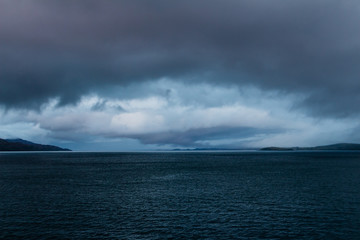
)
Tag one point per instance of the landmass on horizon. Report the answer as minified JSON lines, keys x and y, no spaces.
{"x":333,"y":147}
{"x":23,"y":145}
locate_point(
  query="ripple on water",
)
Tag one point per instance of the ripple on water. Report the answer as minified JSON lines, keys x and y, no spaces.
{"x":181,"y":196}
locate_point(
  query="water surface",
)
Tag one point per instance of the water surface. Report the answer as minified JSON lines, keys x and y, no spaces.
{"x":180,"y":195}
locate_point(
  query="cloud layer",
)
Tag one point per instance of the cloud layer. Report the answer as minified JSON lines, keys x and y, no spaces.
{"x":200,"y":115}
{"x":68,"y":49}
{"x":186,"y":73}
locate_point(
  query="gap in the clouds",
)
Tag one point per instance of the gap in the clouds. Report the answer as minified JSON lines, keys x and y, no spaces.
{"x":168,"y":114}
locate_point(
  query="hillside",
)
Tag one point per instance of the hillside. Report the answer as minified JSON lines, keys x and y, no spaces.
{"x":23,"y":145}
{"x":333,"y":147}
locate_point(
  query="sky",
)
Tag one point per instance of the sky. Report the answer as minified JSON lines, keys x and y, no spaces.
{"x":129,"y":75}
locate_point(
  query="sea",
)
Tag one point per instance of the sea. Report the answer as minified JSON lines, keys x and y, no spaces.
{"x":180,"y":195}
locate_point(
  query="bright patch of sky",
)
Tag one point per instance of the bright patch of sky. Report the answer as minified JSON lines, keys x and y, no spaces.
{"x":166,"y":114}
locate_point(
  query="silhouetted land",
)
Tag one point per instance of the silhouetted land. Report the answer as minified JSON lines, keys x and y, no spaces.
{"x":334,"y":147}
{"x":23,"y":145}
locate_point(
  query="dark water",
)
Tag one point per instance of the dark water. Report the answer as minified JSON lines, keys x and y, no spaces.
{"x":180,"y":195}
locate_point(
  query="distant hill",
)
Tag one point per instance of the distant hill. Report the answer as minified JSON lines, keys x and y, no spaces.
{"x":23,"y":145}
{"x":214,"y":149}
{"x":334,"y":147}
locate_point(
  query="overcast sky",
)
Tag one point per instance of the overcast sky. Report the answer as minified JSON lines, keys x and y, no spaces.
{"x":121,"y":75}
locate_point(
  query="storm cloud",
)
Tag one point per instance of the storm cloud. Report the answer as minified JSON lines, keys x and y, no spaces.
{"x":67,"y":49}
{"x":292,"y":61}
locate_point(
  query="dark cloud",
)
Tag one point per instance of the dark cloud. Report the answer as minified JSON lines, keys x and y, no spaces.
{"x":202,"y":137}
{"x":67,"y":48}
